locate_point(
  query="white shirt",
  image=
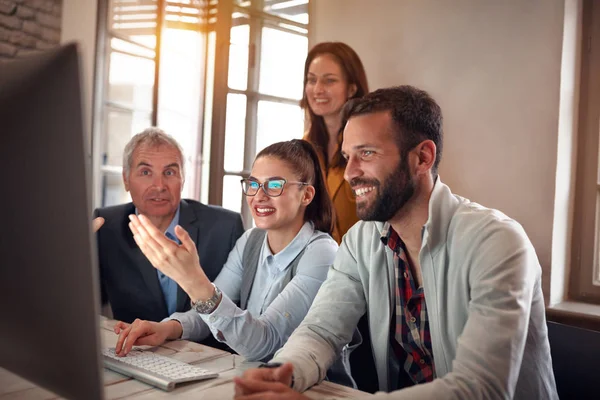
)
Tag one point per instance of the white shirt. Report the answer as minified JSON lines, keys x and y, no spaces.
{"x":482,"y":284}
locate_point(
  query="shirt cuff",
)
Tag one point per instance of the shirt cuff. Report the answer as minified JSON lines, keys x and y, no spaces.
{"x":298,"y":379}
{"x":184,"y":320}
{"x":219,"y":319}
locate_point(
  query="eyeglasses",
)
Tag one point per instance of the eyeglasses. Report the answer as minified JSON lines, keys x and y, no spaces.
{"x":271,"y":187}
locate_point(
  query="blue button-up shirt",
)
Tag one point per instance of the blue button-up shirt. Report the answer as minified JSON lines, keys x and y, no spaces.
{"x":168,"y":285}
{"x":273,"y":310}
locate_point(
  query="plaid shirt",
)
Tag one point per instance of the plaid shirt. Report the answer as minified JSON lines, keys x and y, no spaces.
{"x":412,"y":338}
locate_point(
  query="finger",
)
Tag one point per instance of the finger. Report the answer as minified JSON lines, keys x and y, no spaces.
{"x":122,"y":336}
{"x":185,"y":239}
{"x":119,"y":326}
{"x":159,"y":259}
{"x":136,"y":225}
{"x":152,"y":231}
{"x":142,"y":241}
{"x":133,"y":224}
{"x":240,"y":387}
{"x":143,"y":229}
{"x":260,"y":374}
{"x":284,"y":373}
{"x":97,"y":223}
{"x":151,"y":249}
{"x":142,"y":329}
{"x":238,"y":390}
{"x":152,"y":242}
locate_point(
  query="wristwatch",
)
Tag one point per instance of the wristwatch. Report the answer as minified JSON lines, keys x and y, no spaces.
{"x":207,"y":306}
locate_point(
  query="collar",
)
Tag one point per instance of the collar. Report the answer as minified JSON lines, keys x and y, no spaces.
{"x":285,"y":257}
{"x":174,"y":222}
{"x":391,"y":239}
{"x":386,"y":231}
{"x":442,"y":205}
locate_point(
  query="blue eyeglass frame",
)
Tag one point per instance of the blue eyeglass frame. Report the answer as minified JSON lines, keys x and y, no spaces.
{"x":264,"y":188}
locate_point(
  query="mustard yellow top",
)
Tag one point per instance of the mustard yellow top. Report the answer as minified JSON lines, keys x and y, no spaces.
{"x":342,"y":197}
{"x":343,"y":200}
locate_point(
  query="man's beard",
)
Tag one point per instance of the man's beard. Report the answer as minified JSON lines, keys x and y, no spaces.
{"x":393,"y":193}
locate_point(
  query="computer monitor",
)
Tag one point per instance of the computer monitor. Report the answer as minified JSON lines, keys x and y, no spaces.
{"x":49,"y":298}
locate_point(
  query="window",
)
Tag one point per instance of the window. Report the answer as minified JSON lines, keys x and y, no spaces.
{"x":224,"y":77}
{"x":262,"y":88}
{"x":151,"y":62}
{"x":584,"y":284}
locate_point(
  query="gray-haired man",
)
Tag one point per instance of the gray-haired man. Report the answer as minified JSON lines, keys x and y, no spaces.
{"x":153,"y":173}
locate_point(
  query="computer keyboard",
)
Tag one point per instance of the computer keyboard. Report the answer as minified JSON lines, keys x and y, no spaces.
{"x":154,"y":369}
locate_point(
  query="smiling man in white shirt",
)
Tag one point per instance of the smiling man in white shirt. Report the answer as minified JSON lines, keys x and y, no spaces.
{"x":452,"y":289}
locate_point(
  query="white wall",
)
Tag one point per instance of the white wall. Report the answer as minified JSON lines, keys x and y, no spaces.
{"x":79,"y":22}
{"x":495,"y":69}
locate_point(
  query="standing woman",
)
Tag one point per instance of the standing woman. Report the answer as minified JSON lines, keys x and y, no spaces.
{"x":333,"y":74}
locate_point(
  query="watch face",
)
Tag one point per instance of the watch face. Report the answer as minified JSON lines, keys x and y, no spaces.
{"x":204,"y":307}
{"x":207,"y":306}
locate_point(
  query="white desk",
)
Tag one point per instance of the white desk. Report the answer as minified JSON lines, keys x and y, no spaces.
{"x":118,"y":386}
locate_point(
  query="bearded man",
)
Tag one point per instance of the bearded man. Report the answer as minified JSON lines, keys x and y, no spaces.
{"x":452,"y":289}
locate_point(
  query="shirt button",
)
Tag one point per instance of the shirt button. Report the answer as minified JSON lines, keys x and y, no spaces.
{"x":421,"y":361}
{"x":413,"y":319}
{"x":212,"y":319}
{"x":406,"y":275}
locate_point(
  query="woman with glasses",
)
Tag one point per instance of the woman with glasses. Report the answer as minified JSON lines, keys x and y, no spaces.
{"x":272,"y":274}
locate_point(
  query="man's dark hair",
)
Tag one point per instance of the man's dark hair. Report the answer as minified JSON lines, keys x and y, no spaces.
{"x":415,"y":114}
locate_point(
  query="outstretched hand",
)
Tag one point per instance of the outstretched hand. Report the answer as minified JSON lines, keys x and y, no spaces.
{"x":179,"y":262}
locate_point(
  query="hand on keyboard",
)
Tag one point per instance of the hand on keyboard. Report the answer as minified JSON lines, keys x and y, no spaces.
{"x":144,"y":333}
{"x":154,"y":369}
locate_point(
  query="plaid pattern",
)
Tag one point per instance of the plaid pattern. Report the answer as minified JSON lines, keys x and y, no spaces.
{"x":412,"y":334}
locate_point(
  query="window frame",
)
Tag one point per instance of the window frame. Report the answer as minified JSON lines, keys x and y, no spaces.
{"x":102,"y":105}
{"x":583,"y":282}
{"x":257,"y":20}
{"x":208,"y":185}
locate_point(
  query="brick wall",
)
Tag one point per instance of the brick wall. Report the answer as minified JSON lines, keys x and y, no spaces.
{"x":28,"y":26}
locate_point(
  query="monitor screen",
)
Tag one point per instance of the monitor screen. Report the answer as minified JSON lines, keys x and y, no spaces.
{"x":49,"y":298}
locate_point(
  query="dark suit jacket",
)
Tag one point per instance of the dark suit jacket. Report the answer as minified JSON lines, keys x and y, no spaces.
{"x":130,"y":283}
